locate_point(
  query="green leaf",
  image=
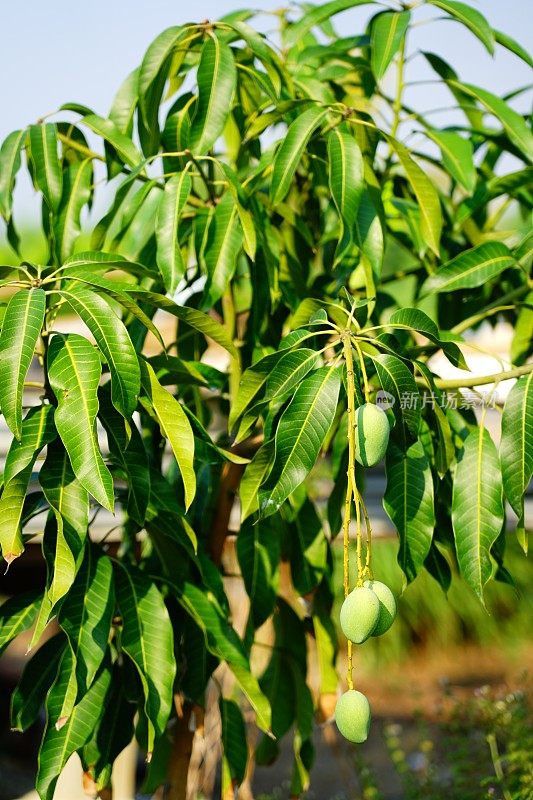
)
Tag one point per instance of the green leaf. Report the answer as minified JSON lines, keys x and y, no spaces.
{"x":258,"y":551}
{"x":11,"y":507}
{"x":46,"y":166}
{"x":21,"y":327}
{"x":522,"y":344}
{"x":396,"y":378}
{"x":147,"y":639}
{"x":254,"y":475}
{"x":70,"y":503}
{"x":169,"y":257}
{"x":514,"y":125}
{"x":124,"y":103}
{"x":86,"y":615}
{"x":37,"y":678}
{"x":477,"y":508}
{"x":308,"y":555}
{"x":469,"y":269}
{"x":315,"y":16}
{"x":471,"y":18}
{"x":291,"y":150}
{"x":74,"y":371}
{"x":58,"y":745}
{"x":155,"y":62}
{"x":17,"y":615}
{"x":513,"y":46}
{"x":217,"y":79}
{"x":176,"y":427}
{"x":426,"y":195}
{"x":9,"y":166}
{"x":516,"y":447}
{"x":368,"y":234}
{"x":346,"y":183}
{"x":387,"y":31}
{"x":224,"y":242}
{"x":234,"y":741}
{"x":408,"y":500}
{"x":77,"y":190}
{"x":457,"y":157}
{"x":416,"y":320}
{"x":109,"y":131}
{"x":299,"y":436}
{"x":114,"y":341}
{"x":38,"y":430}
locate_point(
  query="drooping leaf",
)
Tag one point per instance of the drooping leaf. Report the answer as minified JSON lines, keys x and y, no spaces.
{"x":522,"y":344}
{"x":457,"y":157}
{"x":154,"y":64}
{"x":470,"y":18}
{"x":38,"y":430}
{"x":426,"y":195}
{"x":9,"y":166}
{"x":47,"y":169}
{"x":258,"y":551}
{"x":217,"y":77}
{"x":169,"y":257}
{"x":37,"y":678}
{"x":397,"y":379}
{"x":147,"y":639}
{"x":470,"y":268}
{"x":346,"y":182}
{"x":299,"y":436}
{"x":315,"y":16}
{"x":408,"y":501}
{"x":74,"y":371}
{"x":417,"y":320}
{"x":235,"y":749}
{"x":254,"y":475}
{"x":176,"y":427}
{"x":291,"y":150}
{"x":11,"y":508}
{"x":17,"y":614}
{"x":114,"y":341}
{"x":513,"y":123}
{"x":86,"y":614}
{"x":368,"y":234}
{"x":21,"y":327}
{"x":58,"y":745}
{"x":76,"y":194}
{"x":386,"y":34}
{"x":477,"y":508}
{"x":308,"y":555}
{"x":516,"y":447}
{"x":223,"y":244}
{"x":123,"y":145}
{"x":69,"y":501}
{"x":513,"y":46}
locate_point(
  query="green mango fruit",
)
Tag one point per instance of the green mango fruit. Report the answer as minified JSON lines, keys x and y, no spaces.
{"x":371,"y":434}
{"x":387,"y":606}
{"x":352,"y":715}
{"x":359,"y":614}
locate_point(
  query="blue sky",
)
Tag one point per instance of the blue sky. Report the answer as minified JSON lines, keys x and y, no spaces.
{"x":59,"y":51}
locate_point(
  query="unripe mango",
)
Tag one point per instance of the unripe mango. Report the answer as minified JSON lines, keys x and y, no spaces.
{"x":359,"y":614}
{"x":387,"y":606}
{"x":352,"y":715}
{"x":371,"y":434}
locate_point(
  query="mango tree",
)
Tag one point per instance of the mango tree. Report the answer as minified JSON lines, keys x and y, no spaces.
{"x":269,"y":198}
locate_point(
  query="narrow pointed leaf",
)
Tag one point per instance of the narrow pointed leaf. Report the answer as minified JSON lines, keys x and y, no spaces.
{"x":39,"y":674}
{"x":216,"y":84}
{"x":398,"y":380}
{"x":470,"y":268}
{"x":255,"y":474}
{"x":259,"y":551}
{"x":86,"y":615}
{"x":176,"y":427}
{"x":417,"y":320}
{"x":38,"y":430}
{"x":223,"y":245}
{"x":457,"y":157}
{"x":21,"y":327}
{"x":470,"y":18}
{"x":408,"y":501}
{"x":70,"y":502}
{"x":386,"y":33}
{"x":76,"y":194}
{"x":154,"y":62}
{"x":346,"y":182}
{"x":11,"y":507}
{"x":233,"y":741}
{"x":315,"y":16}
{"x":17,"y":615}
{"x":74,"y":371}
{"x":516,"y":447}
{"x":513,"y":46}
{"x":45,"y":160}
{"x":147,"y":639}
{"x":114,"y":341}
{"x":59,"y":745}
{"x":477,"y":508}
{"x":169,"y":257}
{"x":426,"y":195}
{"x":9,"y":166}
{"x":299,"y":436}
{"x":291,"y":150}
{"x":107,"y":129}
